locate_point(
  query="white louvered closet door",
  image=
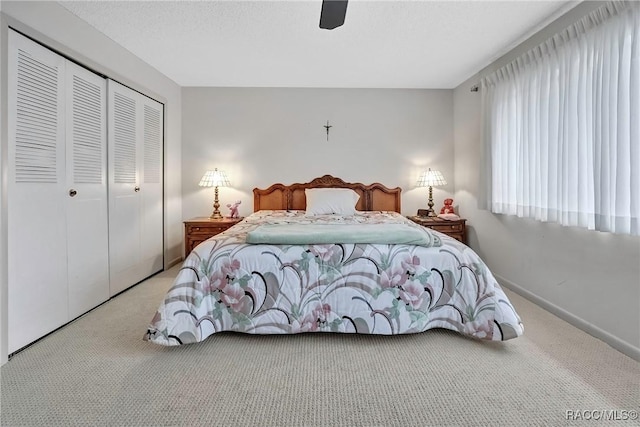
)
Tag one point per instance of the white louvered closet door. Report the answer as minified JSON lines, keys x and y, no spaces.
{"x":124,"y":191}
{"x":135,"y":135}
{"x":86,"y":186}
{"x":151,"y":186}
{"x":37,"y":251}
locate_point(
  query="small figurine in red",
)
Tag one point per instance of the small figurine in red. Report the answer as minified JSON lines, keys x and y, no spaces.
{"x":448,"y":207}
{"x":234,"y":209}
{"x":448,"y":212}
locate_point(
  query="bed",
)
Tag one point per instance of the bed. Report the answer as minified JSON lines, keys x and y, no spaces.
{"x":306,"y":261}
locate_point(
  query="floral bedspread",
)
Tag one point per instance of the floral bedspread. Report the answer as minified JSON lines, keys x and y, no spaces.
{"x":226,"y":284}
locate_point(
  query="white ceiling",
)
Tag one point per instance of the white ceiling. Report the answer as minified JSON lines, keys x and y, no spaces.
{"x":383,"y":44}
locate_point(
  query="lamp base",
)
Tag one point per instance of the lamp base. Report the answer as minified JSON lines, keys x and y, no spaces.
{"x":216,"y":207}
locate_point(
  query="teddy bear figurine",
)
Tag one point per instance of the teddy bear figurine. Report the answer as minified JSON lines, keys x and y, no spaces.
{"x":448,"y":207}
{"x":233,"y":209}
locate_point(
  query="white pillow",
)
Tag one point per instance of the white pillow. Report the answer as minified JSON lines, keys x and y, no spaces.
{"x":323,"y":201}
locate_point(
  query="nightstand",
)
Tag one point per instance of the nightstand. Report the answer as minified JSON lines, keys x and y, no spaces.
{"x":197,"y":230}
{"x":455,"y":228}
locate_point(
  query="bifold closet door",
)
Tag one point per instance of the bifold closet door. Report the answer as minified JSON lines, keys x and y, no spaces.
{"x":135,"y":129}
{"x":37,"y":236}
{"x":57,"y":194}
{"x":87,"y":214}
{"x":151,"y":238}
{"x":124,"y":200}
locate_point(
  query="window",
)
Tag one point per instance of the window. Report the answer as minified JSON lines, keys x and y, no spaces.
{"x":562,"y":126}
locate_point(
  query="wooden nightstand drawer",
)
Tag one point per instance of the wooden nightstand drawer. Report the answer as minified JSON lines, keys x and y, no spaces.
{"x":454,"y":228}
{"x":206,"y":229}
{"x":445,"y":228}
{"x":197,"y":230}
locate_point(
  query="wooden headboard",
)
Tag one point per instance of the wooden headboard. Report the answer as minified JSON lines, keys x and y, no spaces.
{"x":373,"y":197}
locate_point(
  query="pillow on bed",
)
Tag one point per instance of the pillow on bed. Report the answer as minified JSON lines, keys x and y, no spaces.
{"x":323,"y":201}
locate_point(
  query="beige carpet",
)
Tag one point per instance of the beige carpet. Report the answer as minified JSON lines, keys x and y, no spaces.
{"x":98,"y":371}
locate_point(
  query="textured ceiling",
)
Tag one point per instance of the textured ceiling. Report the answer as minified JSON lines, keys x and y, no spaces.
{"x":383,"y":44}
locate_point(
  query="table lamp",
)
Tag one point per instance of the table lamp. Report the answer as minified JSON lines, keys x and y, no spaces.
{"x":430,"y":179}
{"x":215,"y":178}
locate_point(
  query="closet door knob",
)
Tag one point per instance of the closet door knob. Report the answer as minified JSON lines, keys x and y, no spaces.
{"x":72,"y":192}
{"x":136,"y":189}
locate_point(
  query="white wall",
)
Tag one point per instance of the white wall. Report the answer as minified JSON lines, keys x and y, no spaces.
{"x":54,"y":26}
{"x":3,"y":191}
{"x":589,"y":278}
{"x":261,"y":136}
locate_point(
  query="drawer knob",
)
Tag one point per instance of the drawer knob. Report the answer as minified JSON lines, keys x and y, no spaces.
{"x":196,"y":228}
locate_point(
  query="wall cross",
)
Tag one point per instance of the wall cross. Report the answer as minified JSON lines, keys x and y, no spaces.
{"x":327,"y":127}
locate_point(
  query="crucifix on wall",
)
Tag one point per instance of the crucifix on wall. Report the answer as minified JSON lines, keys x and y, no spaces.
{"x":327,"y":127}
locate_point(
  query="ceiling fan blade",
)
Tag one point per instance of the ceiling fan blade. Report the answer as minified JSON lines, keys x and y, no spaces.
{"x":333,"y":13}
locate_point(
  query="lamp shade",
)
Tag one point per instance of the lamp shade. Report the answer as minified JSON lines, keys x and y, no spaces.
{"x":431,"y":179}
{"x":214,"y":178}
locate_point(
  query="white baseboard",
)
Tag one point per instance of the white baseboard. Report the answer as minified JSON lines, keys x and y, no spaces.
{"x":173,"y":262}
{"x":612,"y":340}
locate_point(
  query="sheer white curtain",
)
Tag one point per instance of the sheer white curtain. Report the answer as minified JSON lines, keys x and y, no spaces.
{"x":562,"y":126}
